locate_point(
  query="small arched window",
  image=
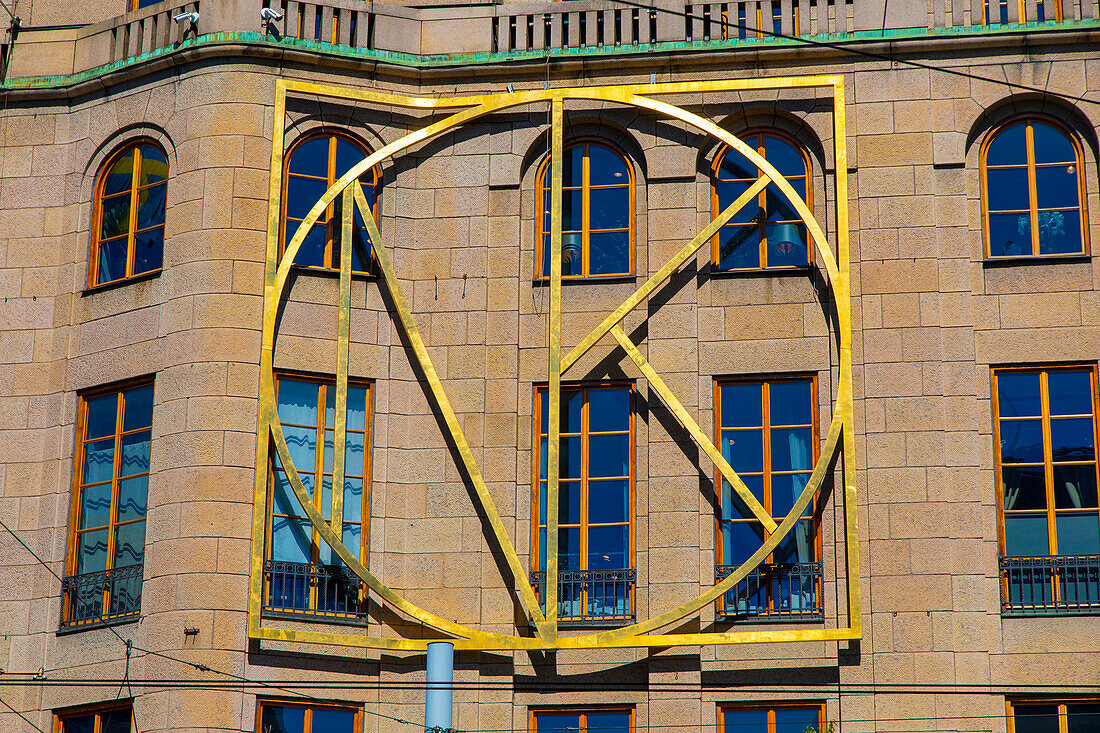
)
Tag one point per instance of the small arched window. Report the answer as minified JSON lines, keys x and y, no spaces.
{"x":1032,"y":189}
{"x":313,"y":164}
{"x":770,"y":234}
{"x":597,"y":213}
{"x":128,"y":218}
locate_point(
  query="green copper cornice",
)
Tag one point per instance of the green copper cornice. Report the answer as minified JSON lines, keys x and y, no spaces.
{"x":428,"y":61}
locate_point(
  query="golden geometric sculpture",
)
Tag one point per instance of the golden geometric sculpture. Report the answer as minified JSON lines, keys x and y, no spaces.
{"x":545,"y":625}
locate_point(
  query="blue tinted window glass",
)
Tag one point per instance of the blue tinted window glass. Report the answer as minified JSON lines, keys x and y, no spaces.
{"x":1036,"y":718}
{"x":608,"y":409}
{"x":608,"y":501}
{"x":1009,"y":147}
{"x":786,"y":158}
{"x":298,"y":402}
{"x":606,"y":167}
{"x":1078,"y":533}
{"x":741,"y":405}
{"x":746,"y":721}
{"x":327,"y":720}
{"x":796,"y":720}
{"x":1059,"y":232}
{"x":1026,"y":535}
{"x":101,"y":413}
{"x":1083,"y":717}
{"x":790,"y":403}
{"x":1024,"y":487}
{"x":1070,"y":392}
{"x":557,"y":722}
{"x":1021,"y":441}
{"x":609,"y":722}
{"x":1018,"y":394}
{"x":1051,"y":144}
{"x":311,"y":158}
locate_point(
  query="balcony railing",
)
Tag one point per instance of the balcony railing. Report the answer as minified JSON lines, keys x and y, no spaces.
{"x":1048,"y":585}
{"x":301,"y":589}
{"x":782,"y":591}
{"x":101,"y":597}
{"x":591,"y":597}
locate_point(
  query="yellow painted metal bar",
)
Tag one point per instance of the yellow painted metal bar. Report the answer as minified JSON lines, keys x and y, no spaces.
{"x":842,"y":291}
{"x":693,"y":428}
{"x":488,"y":506}
{"x":598,"y":92}
{"x":267,"y":384}
{"x":553,"y":447}
{"x":343,"y":345}
{"x":663,"y":274}
{"x":635,"y":635}
{"x":329,"y":537}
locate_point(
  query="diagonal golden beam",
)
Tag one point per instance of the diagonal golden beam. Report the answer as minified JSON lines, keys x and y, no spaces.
{"x":692,"y":427}
{"x":530,"y":600}
{"x":663,"y":274}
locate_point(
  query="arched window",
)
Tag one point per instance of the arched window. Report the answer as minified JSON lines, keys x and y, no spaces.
{"x":770,"y":234}
{"x":312,"y":165}
{"x":128,"y":221}
{"x":1032,"y":189}
{"x":597,"y":213}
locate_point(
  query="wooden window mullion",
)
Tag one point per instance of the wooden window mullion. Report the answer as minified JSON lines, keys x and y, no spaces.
{"x":586,"y":210}
{"x":1048,"y":464}
{"x":112,"y":517}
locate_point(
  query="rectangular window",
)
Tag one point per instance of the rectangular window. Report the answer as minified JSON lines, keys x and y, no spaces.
{"x":1044,"y":438}
{"x":772,"y":719}
{"x":107,"y":521}
{"x":582,"y":721}
{"x":110,"y":718}
{"x":767,"y":430}
{"x":595,"y":505}
{"x":286,"y":717}
{"x":302,"y":573}
{"x":1054,"y":717}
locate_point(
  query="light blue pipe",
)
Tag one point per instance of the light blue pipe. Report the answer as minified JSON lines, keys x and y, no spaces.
{"x":441,"y":667}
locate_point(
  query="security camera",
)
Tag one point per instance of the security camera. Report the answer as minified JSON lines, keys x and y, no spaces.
{"x":270,"y":15}
{"x":191,"y":18}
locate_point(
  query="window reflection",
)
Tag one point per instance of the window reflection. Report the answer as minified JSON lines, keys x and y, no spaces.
{"x":313,"y":166}
{"x":597,"y":213}
{"x":769,"y":233}
{"x":1032,"y":191}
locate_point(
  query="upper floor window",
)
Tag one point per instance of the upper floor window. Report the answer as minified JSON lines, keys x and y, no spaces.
{"x":597,"y":213}
{"x":772,"y":719}
{"x":769,"y":234}
{"x":1045,"y":452}
{"x":113,"y":717}
{"x":302,"y":573}
{"x":595,"y":502}
{"x":313,"y":164}
{"x":289,"y":717}
{"x":107,"y":523}
{"x":138,"y":4}
{"x":767,"y":432}
{"x":128,"y":216}
{"x":1052,"y":716}
{"x":593,"y":720}
{"x":1033,"y":187}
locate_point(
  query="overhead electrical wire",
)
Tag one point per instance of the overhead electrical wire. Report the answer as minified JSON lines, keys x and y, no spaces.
{"x":851,"y":48}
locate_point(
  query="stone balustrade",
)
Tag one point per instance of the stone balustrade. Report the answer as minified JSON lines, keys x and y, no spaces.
{"x":437,"y":31}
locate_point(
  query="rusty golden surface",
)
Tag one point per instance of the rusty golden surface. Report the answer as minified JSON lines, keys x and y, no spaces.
{"x":545,"y":626}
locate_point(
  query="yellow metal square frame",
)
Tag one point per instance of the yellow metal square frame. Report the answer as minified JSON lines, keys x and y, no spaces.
{"x":839,"y":443}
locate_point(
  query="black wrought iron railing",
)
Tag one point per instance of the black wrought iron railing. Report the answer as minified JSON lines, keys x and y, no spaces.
{"x":591,"y":597}
{"x":1050,"y":585}
{"x":303,"y":589}
{"x":101,"y":597}
{"x":773,"y":591}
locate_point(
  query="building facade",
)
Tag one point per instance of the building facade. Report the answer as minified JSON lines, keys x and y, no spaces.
{"x":769,"y":329}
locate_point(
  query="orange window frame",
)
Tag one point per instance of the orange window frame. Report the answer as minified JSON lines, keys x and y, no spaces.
{"x":1048,"y":458}
{"x":584,"y":525}
{"x":324,"y":384}
{"x":308,"y":724}
{"x":771,"y":708}
{"x":1033,"y":212}
{"x":135,"y":190}
{"x":1062,"y":704}
{"x":581,"y":712}
{"x":332,"y":226}
{"x":761,"y":201}
{"x":586,"y":229}
{"x":100,"y":711}
{"x":76,"y":502}
{"x":765,"y":383}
